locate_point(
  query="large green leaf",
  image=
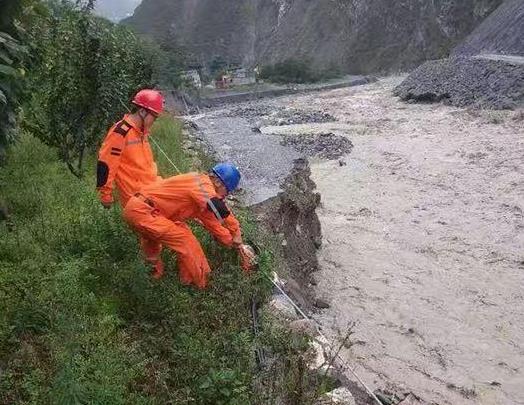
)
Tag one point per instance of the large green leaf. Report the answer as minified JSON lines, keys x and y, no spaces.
{"x":11,"y":45}
{"x":5,"y":38}
{"x":5,"y":58}
{"x":8,"y":70}
{"x":3,"y":98}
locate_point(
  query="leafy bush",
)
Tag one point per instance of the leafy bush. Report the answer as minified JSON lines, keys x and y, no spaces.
{"x":11,"y":52}
{"x":87,"y":69}
{"x":297,"y":71}
{"x":13,"y":58}
{"x":289,"y":71}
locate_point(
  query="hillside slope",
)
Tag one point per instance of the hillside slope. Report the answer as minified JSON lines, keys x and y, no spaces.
{"x":501,"y":33}
{"x":354,"y":35}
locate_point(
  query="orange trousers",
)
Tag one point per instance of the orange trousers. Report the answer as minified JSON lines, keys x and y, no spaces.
{"x":156,"y":230}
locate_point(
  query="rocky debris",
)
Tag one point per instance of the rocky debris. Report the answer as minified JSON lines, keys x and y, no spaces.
{"x":190,"y":125}
{"x":291,"y":116}
{"x":304,"y":327}
{"x":398,"y":397}
{"x":250,"y":111}
{"x":265,"y":115}
{"x":320,"y":303}
{"x":341,"y":396}
{"x":281,"y":306}
{"x":317,"y":355}
{"x":324,"y":145}
{"x":195,"y":142}
{"x":410,"y":400}
{"x":292,"y":214}
{"x":461,"y":81}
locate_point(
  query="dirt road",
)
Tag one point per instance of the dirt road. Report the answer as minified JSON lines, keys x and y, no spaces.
{"x":423,"y":228}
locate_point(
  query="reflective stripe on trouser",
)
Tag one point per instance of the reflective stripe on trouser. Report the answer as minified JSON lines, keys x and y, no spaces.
{"x":156,"y":230}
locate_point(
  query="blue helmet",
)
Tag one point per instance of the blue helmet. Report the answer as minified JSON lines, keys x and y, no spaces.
{"x":228,"y":174}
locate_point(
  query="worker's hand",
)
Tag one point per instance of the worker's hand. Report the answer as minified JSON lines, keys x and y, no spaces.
{"x":237,"y":241}
{"x":248,"y":258}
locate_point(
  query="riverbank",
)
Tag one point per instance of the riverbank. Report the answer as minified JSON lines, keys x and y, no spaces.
{"x":422,"y":229}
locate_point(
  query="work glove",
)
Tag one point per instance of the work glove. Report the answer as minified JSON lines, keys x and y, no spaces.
{"x":248,"y":258}
{"x":237,"y":240}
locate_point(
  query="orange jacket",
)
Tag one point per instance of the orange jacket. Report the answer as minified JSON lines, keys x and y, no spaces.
{"x":193,"y":195}
{"x":126,"y":159}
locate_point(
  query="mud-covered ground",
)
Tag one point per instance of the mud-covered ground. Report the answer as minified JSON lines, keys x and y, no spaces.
{"x":423,"y":235}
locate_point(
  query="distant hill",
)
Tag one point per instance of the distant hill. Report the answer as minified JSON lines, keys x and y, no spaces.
{"x":353,"y":35}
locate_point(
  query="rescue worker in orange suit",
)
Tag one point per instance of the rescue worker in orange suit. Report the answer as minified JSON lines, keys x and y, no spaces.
{"x":158,"y":213}
{"x":125,"y":157}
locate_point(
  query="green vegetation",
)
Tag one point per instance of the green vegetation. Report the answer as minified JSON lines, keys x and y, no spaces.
{"x":77,"y":72}
{"x":81,"y":321}
{"x":296,"y":71}
{"x":86,"y":69}
{"x":13,"y":59}
{"x":10,"y":53}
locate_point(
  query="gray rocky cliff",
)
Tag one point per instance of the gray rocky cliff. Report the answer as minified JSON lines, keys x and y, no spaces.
{"x":358,"y":36}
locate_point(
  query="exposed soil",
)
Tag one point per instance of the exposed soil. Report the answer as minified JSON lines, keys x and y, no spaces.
{"x":292,"y":216}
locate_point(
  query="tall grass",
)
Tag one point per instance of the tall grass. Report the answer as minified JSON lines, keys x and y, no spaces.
{"x":80,"y":320}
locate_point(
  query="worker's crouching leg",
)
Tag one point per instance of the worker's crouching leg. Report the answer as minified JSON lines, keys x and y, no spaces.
{"x":151,"y":248}
{"x":193,"y":266}
{"x":144,"y":220}
{"x":153,"y":227}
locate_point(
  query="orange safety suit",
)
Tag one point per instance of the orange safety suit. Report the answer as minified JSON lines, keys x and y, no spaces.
{"x":158,"y":213}
{"x":126,"y":159}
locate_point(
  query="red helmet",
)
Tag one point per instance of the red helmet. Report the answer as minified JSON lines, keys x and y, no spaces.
{"x":151,"y":100}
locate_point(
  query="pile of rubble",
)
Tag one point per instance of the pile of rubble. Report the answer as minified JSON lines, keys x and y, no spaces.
{"x":293,"y":116}
{"x":324,"y":145}
{"x":494,"y":82}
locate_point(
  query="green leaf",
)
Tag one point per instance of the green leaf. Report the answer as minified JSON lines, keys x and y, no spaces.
{"x":8,"y":70}
{"x":5,"y":37}
{"x":3,"y":98}
{"x":5,"y":57}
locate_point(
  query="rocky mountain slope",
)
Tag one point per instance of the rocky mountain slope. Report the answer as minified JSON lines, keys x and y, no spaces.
{"x":486,"y":71}
{"x":501,"y":33}
{"x":357,"y":36}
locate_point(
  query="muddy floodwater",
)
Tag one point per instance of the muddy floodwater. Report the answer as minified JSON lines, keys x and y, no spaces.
{"x":423,"y":231}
